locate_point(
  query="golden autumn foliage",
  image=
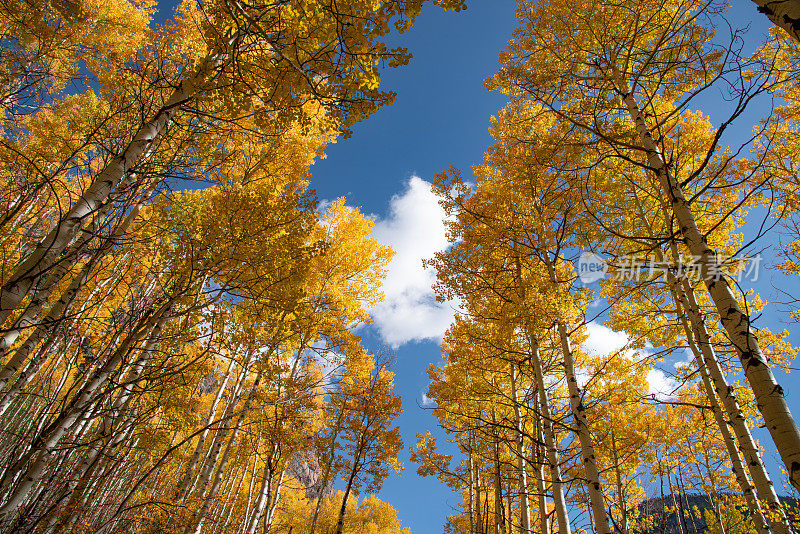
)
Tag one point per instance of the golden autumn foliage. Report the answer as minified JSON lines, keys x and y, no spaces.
{"x":180,"y":352}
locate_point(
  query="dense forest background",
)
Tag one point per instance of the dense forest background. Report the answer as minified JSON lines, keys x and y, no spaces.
{"x":182,"y":318}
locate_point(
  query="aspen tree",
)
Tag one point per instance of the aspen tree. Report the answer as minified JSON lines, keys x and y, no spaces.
{"x":521,"y":453}
{"x":371,"y":445}
{"x":541,"y":227}
{"x":697,"y":330}
{"x":324,"y":270}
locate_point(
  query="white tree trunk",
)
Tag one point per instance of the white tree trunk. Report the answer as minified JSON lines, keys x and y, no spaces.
{"x":43,"y":330}
{"x":62,"y":268}
{"x":559,"y":501}
{"x":326,"y":472}
{"x":582,"y":429}
{"x":183,"y":484}
{"x":248,"y":508}
{"x":471,"y":492}
{"x":274,"y":504}
{"x":623,"y":509}
{"x":499,"y":511}
{"x":44,"y":446}
{"x":596,"y":498}
{"x":202,"y":476}
{"x":768,"y":393}
{"x":524,"y":506}
{"x":208,"y":492}
{"x":765,"y":489}
{"x":479,"y":503}
{"x":544,"y":525}
{"x":737,"y":464}
{"x":56,"y":313}
{"x":263,"y":495}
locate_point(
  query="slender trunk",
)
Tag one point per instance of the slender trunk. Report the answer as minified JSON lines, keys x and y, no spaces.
{"x":686,"y":501}
{"x":663,"y":501}
{"x":714,"y":495}
{"x":201,"y":476}
{"x":524,"y":507}
{"x":232,"y":505}
{"x":45,"y":329}
{"x":358,"y":457}
{"x":471,"y":492}
{"x":207,"y":497}
{"x":479,"y":503}
{"x":44,"y":446}
{"x":59,"y":271}
{"x":679,"y":505}
{"x":596,"y":499}
{"x":510,"y":516}
{"x":698,"y":330}
{"x":623,"y":509}
{"x":737,"y":464}
{"x":499,"y":510}
{"x":274,"y":504}
{"x":326,"y":472}
{"x":541,"y":490}
{"x":752,"y":456}
{"x":107,"y":437}
{"x":546,"y":418}
{"x":88,"y":467}
{"x":248,"y":507}
{"x":347,"y":490}
{"x":678,"y":518}
{"x":183,"y":484}
{"x":264,"y":494}
{"x":229,"y":499}
{"x":559,"y":501}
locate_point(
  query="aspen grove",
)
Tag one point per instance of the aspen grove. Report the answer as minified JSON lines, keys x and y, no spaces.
{"x":181,"y":345}
{"x":603,"y":149}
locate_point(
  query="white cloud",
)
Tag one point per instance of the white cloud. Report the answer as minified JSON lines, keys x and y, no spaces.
{"x":323,"y":204}
{"x":582,"y":376}
{"x":415,"y":229}
{"x":660,"y":385}
{"x":603,"y":341}
{"x":427,"y":401}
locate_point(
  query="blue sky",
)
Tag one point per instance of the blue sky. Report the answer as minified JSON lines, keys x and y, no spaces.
{"x":440,"y":118}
